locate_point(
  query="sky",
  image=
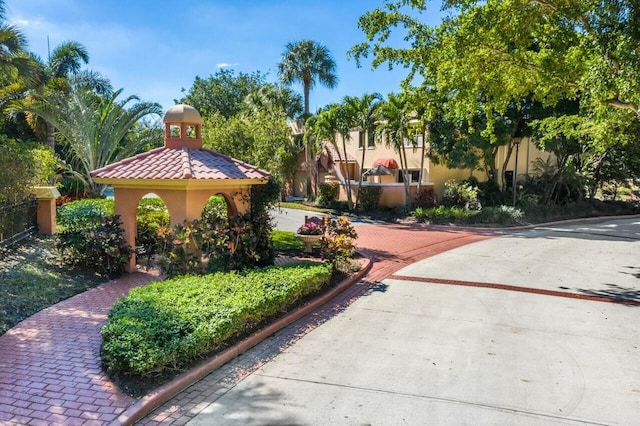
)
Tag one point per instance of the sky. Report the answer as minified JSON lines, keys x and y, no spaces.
{"x":153,"y":49}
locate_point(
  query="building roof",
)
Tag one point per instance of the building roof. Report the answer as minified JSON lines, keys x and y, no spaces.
{"x":333,"y":153}
{"x":184,"y":163}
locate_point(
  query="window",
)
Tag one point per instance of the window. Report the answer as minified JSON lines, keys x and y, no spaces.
{"x":417,"y":142}
{"x":415,"y":175}
{"x":371,"y":140}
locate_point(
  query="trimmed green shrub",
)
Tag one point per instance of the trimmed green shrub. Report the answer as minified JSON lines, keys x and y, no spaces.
{"x":83,"y":214}
{"x":442,"y":213}
{"x":166,"y":325}
{"x":369,"y":197}
{"x":503,"y":215}
{"x":327,"y":193}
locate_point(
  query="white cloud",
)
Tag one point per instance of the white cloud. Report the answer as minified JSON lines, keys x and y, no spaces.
{"x":226,"y":65}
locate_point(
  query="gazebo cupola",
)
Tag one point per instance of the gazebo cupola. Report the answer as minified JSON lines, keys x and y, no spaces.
{"x":182,"y":173}
{"x":182,"y":127}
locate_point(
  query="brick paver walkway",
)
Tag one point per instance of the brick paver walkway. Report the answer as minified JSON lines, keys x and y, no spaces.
{"x":390,"y":247}
{"x":50,"y":363}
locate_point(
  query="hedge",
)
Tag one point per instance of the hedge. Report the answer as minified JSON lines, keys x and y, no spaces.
{"x":167,"y":325}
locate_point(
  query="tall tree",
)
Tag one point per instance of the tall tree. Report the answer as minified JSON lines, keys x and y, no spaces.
{"x":395,"y":129}
{"x":13,"y":46}
{"x":502,"y":51}
{"x":61,"y":71}
{"x":94,"y":128}
{"x":270,"y":96}
{"x":223,"y":92}
{"x":307,"y":62}
{"x":362,"y":114}
{"x":260,"y":137}
{"x":330,"y":122}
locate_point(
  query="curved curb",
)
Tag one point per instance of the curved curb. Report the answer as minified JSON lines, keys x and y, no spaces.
{"x":149,"y":402}
{"x":534,"y":225}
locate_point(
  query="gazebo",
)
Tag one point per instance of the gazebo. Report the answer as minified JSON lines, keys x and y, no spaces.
{"x":183,"y":173}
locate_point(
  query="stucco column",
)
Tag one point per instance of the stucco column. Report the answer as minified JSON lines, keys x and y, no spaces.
{"x":46,"y":216}
{"x":125,"y":205}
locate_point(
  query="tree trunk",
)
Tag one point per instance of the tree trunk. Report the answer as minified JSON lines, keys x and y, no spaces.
{"x":51,"y":136}
{"x":307,"y":166}
{"x":347,"y":177}
{"x":405,"y":172}
{"x":364,"y":148}
{"x":423,"y":152}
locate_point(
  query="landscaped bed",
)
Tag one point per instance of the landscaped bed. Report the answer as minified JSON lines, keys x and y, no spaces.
{"x":163,"y":328}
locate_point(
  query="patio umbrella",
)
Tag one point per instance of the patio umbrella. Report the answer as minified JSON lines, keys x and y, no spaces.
{"x":378,"y":170}
{"x":389,"y":163}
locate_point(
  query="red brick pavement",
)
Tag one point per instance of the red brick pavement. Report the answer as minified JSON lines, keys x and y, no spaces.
{"x":50,"y":363}
{"x":390,"y":247}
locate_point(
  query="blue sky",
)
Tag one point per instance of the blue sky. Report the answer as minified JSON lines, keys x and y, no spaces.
{"x":154,"y":48}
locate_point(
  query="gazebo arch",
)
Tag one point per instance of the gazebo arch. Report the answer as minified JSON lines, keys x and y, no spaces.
{"x":182,"y":173}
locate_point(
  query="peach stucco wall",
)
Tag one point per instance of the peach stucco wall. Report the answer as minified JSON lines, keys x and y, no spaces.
{"x":181,"y":204}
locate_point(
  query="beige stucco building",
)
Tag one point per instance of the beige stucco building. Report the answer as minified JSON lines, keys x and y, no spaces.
{"x":393,"y":187}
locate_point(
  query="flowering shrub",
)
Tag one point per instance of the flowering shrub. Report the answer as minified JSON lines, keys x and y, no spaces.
{"x":338,"y":244}
{"x":310,"y":228}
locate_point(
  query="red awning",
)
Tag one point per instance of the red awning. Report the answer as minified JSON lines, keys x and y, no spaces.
{"x":389,"y":163}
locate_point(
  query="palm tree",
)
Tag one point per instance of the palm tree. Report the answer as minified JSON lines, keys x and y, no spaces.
{"x":59,"y":73}
{"x":395,"y":128}
{"x":13,"y":56}
{"x":94,"y":127}
{"x":361,"y":113}
{"x":308,"y":62}
{"x":327,"y":125}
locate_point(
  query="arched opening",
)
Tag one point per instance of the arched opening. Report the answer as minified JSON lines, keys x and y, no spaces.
{"x":152,"y":215}
{"x":218,"y":209}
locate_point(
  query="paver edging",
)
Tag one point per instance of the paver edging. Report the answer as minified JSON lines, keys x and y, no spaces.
{"x":149,"y":402}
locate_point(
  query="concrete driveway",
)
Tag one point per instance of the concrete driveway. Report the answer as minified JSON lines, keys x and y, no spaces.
{"x":285,"y":219}
{"x":495,"y":332}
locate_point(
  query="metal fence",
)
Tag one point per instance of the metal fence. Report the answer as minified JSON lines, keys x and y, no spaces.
{"x":17,"y":221}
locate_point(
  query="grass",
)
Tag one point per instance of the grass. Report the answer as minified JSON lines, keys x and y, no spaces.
{"x":305,"y":207}
{"x":32,"y":279}
{"x":285,"y":241}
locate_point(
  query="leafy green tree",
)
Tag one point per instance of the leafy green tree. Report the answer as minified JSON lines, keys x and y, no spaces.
{"x":362,"y":114}
{"x":270,"y":96}
{"x":223,"y":93}
{"x":94,"y":128}
{"x":261,"y":138}
{"x":309,"y":63}
{"x":23,"y":166}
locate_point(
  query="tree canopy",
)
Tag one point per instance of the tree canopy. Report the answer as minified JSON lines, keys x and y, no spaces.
{"x":222,"y":93}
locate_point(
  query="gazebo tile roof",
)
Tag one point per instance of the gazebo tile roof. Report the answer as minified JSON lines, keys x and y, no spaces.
{"x":183,"y":163}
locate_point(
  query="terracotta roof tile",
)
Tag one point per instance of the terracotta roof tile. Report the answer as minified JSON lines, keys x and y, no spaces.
{"x":184,"y":163}
{"x":333,"y":153}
